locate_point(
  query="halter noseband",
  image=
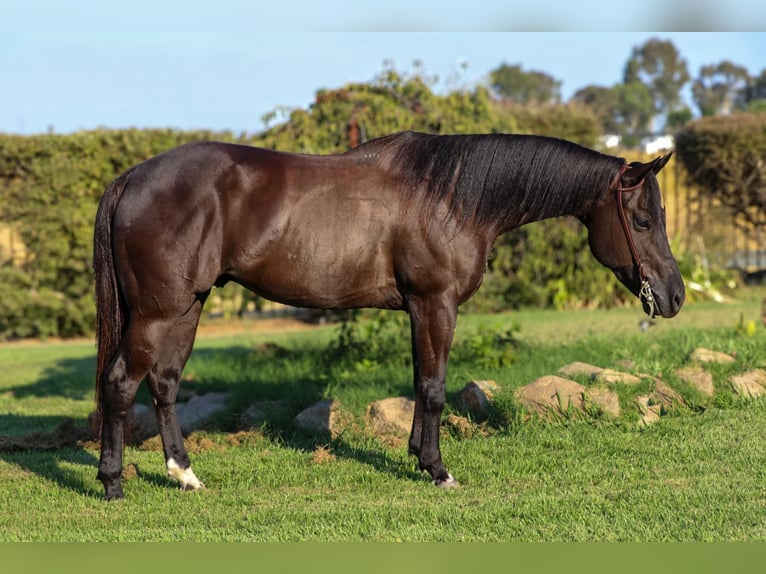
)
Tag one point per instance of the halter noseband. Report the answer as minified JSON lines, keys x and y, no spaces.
{"x":645,"y":293}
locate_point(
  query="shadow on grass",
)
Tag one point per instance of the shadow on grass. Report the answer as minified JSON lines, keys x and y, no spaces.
{"x":71,"y":378}
{"x":51,"y":444}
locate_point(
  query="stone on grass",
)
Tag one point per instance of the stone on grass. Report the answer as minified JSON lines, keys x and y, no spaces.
{"x":611,"y":377}
{"x":650,"y":412}
{"x":666,"y":397}
{"x":606,"y":400}
{"x":476,"y":398}
{"x":552,"y":396}
{"x":702,"y":355}
{"x":320,"y":418}
{"x":390,"y":416}
{"x":659,"y":401}
{"x":580,"y":369}
{"x":698,"y":378}
{"x":749,"y":385}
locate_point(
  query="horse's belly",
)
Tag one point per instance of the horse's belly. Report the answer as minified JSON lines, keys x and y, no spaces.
{"x":339,"y":267}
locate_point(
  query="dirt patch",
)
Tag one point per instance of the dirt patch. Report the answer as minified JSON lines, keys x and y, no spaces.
{"x":153,"y":443}
{"x":464,"y":428}
{"x":322,"y":455}
{"x":130,"y":471}
{"x":198,"y":442}
{"x":241,"y":438}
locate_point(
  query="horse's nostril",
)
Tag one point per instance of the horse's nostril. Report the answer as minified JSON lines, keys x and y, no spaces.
{"x":678,"y":299}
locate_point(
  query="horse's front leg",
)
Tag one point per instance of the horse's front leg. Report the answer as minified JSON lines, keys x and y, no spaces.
{"x":433,"y":326}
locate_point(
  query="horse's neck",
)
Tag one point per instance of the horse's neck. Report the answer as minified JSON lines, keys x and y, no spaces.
{"x":531,"y":211}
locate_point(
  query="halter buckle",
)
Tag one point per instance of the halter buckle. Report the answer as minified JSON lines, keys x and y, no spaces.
{"x":645,"y":295}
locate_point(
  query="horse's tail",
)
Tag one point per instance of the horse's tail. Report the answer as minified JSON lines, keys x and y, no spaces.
{"x":110,"y":307}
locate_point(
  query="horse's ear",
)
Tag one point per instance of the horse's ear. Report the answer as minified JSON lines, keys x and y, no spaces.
{"x":660,"y":162}
{"x":636,"y":172}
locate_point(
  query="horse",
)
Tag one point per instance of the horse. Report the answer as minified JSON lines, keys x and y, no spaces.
{"x":404,"y":222}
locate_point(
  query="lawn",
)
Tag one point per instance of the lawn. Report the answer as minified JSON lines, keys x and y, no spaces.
{"x":696,"y":475}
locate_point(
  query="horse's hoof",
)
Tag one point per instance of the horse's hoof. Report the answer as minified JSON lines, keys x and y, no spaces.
{"x":448,"y":482}
{"x":115,"y":494}
{"x":192,"y":487}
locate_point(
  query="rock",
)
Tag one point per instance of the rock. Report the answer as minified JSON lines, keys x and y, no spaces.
{"x":606,"y":400}
{"x":629,"y":364}
{"x":320,"y":418}
{"x":666,"y":397}
{"x":392,"y":415}
{"x":611,"y":376}
{"x":551,"y":395}
{"x":749,"y":385}
{"x":662,"y":399}
{"x":650,"y":412}
{"x":702,"y":355}
{"x":144,"y":423}
{"x":580,"y":369}
{"x":476,"y":398}
{"x":200,"y":409}
{"x":698,"y":378}
{"x":191,"y":415}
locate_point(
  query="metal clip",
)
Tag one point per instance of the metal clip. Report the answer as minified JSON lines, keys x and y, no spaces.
{"x":646,"y":295}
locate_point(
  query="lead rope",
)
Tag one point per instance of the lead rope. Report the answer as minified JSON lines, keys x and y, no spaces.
{"x":645,"y":293}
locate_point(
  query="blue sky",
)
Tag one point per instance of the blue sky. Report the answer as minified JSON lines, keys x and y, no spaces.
{"x":81,"y":65}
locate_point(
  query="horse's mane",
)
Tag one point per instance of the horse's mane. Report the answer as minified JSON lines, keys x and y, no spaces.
{"x":498,"y":179}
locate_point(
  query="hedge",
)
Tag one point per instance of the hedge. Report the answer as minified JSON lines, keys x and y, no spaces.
{"x":725,"y":157}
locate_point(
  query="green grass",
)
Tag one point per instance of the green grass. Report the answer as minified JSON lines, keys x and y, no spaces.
{"x":696,"y":475}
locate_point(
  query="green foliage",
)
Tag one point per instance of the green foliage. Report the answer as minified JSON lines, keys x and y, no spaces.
{"x":723,"y":156}
{"x":367,"y":340}
{"x":527,"y":87}
{"x":625,"y":109}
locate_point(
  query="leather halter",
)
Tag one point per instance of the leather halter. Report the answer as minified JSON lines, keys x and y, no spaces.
{"x":645,"y":294}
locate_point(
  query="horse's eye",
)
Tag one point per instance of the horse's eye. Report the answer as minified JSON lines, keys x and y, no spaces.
{"x":641,"y":223}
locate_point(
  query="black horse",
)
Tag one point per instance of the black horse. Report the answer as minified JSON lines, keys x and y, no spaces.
{"x":403,"y":222}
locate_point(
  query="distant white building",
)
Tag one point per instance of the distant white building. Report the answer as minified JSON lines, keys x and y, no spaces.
{"x":608,"y":141}
{"x":656,"y":144}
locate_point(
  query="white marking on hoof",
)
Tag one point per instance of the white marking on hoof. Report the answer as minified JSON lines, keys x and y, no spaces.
{"x":448,"y":482}
{"x":185,"y":476}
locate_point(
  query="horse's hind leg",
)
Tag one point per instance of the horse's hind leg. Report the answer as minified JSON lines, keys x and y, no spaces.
{"x":164,"y":382}
{"x":136,"y":354}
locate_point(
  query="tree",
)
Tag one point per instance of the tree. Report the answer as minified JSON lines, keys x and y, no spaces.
{"x":658,"y":64}
{"x":755,"y":93}
{"x":604,"y":103}
{"x":625,"y":109}
{"x":718,"y":88}
{"x":513,"y":83}
{"x":635,"y":108}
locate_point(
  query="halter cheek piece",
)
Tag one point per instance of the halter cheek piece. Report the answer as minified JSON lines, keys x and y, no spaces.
{"x":645,"y":293}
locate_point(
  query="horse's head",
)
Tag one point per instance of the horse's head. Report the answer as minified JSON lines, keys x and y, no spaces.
{"x":626,"y":232}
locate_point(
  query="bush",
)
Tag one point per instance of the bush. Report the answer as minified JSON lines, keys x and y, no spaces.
{"x":724,"y":157}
